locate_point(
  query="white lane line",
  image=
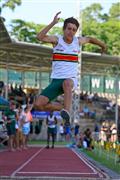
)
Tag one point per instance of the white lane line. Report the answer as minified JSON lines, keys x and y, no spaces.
{"x":92,"y":166}
{"x":70,"y":173}
{"x":88,"y":164}
{"x":23,"y":165}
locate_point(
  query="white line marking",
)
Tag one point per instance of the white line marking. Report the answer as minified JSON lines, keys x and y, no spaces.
{"x":85,"y":162}
{"x":23,"y":165}
{"x":62,"y":173}
{"x":71,"y":173}
{"x":89,"y":163}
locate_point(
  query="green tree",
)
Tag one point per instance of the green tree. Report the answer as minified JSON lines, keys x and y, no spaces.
{"x":92,"y":13}
{"x":105,"y":27}
{"x":27,"y":31}
{"x":115,"y":11}
{"x":9,"y":3}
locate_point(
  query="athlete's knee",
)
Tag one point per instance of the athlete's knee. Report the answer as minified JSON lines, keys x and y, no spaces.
{"x":40,"y":102}
{"x":67,"y":85}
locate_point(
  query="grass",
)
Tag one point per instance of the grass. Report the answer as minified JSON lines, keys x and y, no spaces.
{"x":39,"y":142}
{"x":108,"y":160}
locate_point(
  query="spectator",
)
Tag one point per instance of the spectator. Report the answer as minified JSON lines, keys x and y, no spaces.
{"x":80,"y":142}
{"x":88,"y":138}
{"x":67,"y":131}
{"x":90,"y":98}
{"x":19,"y":135}
{"x":26,"y":119}
{"x":92,"y":114}
{"x":76,"y":132}
{"x":86,"y":111}
{"x":102,"y":136}
{"x":72,"y":136}
{"x":113,"y":130}
{"x":3,"y":133}
{"x":95,"y":97}
{"x":51,"y":130}
{"x":11,"y":118}
{"x":96,"y":132}
{"x":61,"y":132}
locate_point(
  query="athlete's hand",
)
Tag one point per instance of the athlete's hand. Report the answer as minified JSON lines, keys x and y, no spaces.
{"x":56,"y":18}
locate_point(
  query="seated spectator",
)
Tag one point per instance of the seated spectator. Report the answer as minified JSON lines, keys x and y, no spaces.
{"x":88,"y":139}
{"x":82,"y":96}
{"x":81,"y":112}
{"x":80,"y":142}
{"x":86,"y":111}
{"x":95,"y":97}
{"x":85,"y":96}
{"x":3,"y":133}
{"x":90,"y":98}
{"x":92,"y":114}
{"x":110,"y":106}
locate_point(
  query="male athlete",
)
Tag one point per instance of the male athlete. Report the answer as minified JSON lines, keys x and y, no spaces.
{"x":64,"y":65}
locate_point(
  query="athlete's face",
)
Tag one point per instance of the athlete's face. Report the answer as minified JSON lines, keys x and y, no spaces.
{"x":69,"y":32}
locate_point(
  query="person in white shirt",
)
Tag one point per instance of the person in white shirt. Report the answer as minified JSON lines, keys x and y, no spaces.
{"x":51,"y":129}
{"x":25,"y":126}
{"x":61,"y":132}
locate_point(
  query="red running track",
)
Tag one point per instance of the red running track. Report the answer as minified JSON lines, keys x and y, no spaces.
{"x":42,"y":162}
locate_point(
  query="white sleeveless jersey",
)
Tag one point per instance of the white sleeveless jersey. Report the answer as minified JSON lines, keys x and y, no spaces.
{"x":51,"y":121}
{"x":65,"y":59}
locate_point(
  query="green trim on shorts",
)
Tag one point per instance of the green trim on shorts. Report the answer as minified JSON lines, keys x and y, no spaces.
{"x":54,"y":89}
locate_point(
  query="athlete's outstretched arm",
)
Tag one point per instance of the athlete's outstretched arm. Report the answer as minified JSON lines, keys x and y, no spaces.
{"x":42,"y":35}
{"x":85,"y":40}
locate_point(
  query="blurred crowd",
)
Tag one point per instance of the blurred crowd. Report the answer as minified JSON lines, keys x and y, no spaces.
{"x":16,"y":122}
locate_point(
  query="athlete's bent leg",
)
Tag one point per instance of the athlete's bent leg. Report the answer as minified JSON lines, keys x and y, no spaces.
{"x":67,"y":87}
{"x":42,"y":104}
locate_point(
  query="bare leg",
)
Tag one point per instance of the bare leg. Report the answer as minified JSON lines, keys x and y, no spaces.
{"x":54,"y":106}
{"x":67,"y":87}
{"x":10,"y":143}
{"x":53,"y":140}
{"x":42,"y":104}
{"x":48,"y":140}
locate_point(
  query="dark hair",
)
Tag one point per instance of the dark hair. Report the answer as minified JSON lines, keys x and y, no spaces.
{"x":71,"y":20}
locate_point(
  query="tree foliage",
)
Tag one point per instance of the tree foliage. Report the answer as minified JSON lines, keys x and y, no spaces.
{"x":27,"y":31}
{"x":115,"y":11}
{"x":9,"y":3}
{"x":105,"y":27}
{"x":95,"y":23}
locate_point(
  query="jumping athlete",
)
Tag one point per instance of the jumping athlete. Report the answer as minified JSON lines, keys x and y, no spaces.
{"x":66,"y":48}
